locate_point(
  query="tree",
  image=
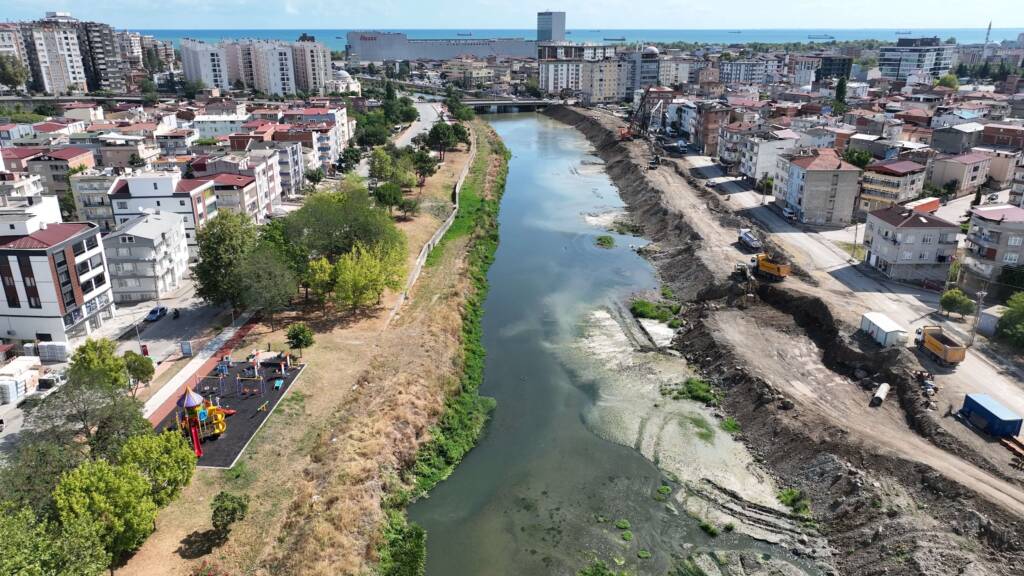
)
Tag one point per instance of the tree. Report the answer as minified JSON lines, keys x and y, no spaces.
{"x":46,"y":109}
{"x":31,"y":547}
{"x":388,"y":195}
{"x":976,"y":201}
{"x":409,"y":207}
{"x":859,"y":158}
{"x":113,"y":499}
{"x":13,"y":73}
{"x":364,"y":273}
{"x":223,"y":243}
{"x":441,"y":137}
{"x":34,"y":469}
{"x":300,"y":337}
{"x":191,"y":88}
{"x":225,"y":510}
{"x":949,"y":81}
{"x":268,"y":283}
{"x":96,"y":364}
{"x":320,"y":279}
{"x":532,"y":88}
{"x":956,"y":301}
{"x":962,"y":70}
{"x":350,"y":158}
{"x":841,"y":90}
{"x":166,"y":460}
{"x":424,"y":165}
{"x":461,"y":134}
{"x":382,"y":165}
{"x":117,"y":422}
{"x":329,"y":224}
{"x":1011,"y":325}
{"x":315,"y":177}
{"x":140,"y":370}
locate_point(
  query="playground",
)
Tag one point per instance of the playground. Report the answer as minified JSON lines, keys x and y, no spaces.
{"x":220,"y":412}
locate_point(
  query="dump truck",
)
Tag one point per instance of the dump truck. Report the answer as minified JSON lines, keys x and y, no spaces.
{"x":767,"y":268}
{"x":945,"y":349}
{"x":749,"y":239}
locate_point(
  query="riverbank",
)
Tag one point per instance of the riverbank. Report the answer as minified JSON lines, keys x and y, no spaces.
{"x":891,"y":497}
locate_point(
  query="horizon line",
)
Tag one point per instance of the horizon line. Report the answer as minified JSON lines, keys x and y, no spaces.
{"x":599,"y":29}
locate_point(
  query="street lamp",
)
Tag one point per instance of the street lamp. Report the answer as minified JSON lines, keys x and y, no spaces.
{"x":977,"y":316}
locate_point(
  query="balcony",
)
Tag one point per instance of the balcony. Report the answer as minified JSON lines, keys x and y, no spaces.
{"x":984,"y":238}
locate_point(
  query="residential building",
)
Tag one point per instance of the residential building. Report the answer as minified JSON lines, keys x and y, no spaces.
{"x":645,"y":69}
{"x":290,"y":165}
{"x":957,"y":139}
{"x":1003,"y":135}
{"x":54,"y":279}
{"x":261,"y":165}
{"x":204,"y":62}
{"x":11,"y":131}
{"x":124,"y":151}
{"x":1004,"y":163}
{"x":603,"y":81}
{"x":962,"y":174}
{"x":731,"y":138}
{"x":312,"y":66}
{"x":750,"y":71}
{"x":709,"y":117}
{"x":759,"y":153}
{"x":147,"y":257}
{"x":176,"y":142}
{"x":890,"y":182}
{"x":101,"y":57}
{"x":16,"y":158}
{"x":54,"y":167}
{"x":193,"y":200}
{"x":272,"y":67}
{"x":91,"y":190}
{"x":237,"y":193}
{"x":910,"y":246}
{"x":995,"y":240}
{"x":818,"y":186}
{"x":550,"y":26}
{"x":53,"y":48}
{"x":911,"y":55}
{"x":212,"y":126}
{"x":12,"y":44}
{"x":84,"y":111}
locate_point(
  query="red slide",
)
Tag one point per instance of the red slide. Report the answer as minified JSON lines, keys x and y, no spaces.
{"x":195,"y":441}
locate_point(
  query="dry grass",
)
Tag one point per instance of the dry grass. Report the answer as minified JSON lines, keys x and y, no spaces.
{"x":317,"y":471}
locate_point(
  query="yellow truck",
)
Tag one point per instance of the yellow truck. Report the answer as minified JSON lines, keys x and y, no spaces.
{"x":945,"y":349}
{"x":764,"y":266}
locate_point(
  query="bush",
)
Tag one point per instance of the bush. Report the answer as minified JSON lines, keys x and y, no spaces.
{"x":226,"y":509}
{"x":627,"y":536}
{"x":957,"y":302}
{"x":709,"y":528}
{"x":796,"y":500}
{"x":605,"y":241}
{"x":643,"y":554}
{"x":730,"y":425}
{"x":698,"y":389}
{"x":659,"y":311}
{"x":622,"y":524}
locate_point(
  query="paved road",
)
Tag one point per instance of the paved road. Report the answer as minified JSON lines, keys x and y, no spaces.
{"x":429,"y":113}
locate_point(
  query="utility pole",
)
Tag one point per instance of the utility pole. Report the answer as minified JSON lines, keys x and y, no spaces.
{"x":977,"y":313}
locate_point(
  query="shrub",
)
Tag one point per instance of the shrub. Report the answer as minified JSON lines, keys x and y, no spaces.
{"x":957,"y":302}
{"x":622,"y":524}
{"x":709,"y":528}
{"x":643,"y":554}
{"x":659,"y":311}
{"x":796,"y":500}
{"x":627,"y":536}
{"x":730,"y":425}
{"x":698,"y":389}
{"x":226,"y":509}
{"x":605,"y":241}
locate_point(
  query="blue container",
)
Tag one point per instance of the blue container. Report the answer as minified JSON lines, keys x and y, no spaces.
{"x":991,"y":417}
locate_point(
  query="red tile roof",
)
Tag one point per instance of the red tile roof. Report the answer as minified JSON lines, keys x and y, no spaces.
{"x":902,"y":217}
{"x":21,"y":152}
{"x":47,"y":127}
{"x":68,"y":153}
{"x":190,"y":184}
{"x":999,"y":213}
{"x":53,"y":234}
{"x":895,"y":167}
{"x":228,"y":179}
{"x":825,"y":159}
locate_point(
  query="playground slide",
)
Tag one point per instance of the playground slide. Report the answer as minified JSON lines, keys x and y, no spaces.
{"x":195,"y":441}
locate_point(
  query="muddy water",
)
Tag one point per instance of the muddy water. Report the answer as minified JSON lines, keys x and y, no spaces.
{"x":540,"y":493}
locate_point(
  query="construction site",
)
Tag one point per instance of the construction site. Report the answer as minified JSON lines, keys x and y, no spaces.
{"x":906,"y":443}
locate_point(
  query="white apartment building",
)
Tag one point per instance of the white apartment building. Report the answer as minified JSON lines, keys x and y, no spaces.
{"x":91,"y":190}
{"x":760,"y":153}
{"x":674,"y":71}
{"x":12,"y":44}
{"x":291,"y":168}
{"x":147,"y":257}
{"x":204,"y":62}
{"x":213,"y":125}
{"x":193,"y":200}
{"x":57,"y":65}
{"x":54,"y":278}
{"x":262,"y":166}
{"x":915,"y":55}
{"x":273,"y":68}
{"x":742,"y":71}
{"x":312,"y":62}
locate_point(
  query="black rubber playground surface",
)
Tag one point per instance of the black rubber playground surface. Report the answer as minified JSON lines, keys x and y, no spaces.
{"x":253,"y":406}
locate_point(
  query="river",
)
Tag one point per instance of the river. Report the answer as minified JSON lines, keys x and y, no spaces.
{"x":542,"y":490}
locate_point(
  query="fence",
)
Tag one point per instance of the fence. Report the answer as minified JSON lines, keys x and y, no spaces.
{"x":421,"y":260}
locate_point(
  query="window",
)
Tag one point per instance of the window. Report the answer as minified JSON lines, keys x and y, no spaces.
{"x":91,"y":243}
{"x":1015,"y":241}
{"x":78,"y":248}
{"x":122,"y":206}
{"x":124,"y":252}
{"x":33,"y":302}
{"x":157,"y":202}
{"x":154,"y":186}
{"x":1011,"y":257}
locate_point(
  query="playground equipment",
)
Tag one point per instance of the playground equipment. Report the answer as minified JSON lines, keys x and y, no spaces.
{"x":199,"y":419}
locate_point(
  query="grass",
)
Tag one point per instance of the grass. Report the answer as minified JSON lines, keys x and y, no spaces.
{"x":796,"y":500}
{"x":667,"y":293}
{"x":605,"y":241}
{"x":693,"y":388}
{"x":627,"y":536}
{"x":704,"y":430}
{"x":622,"y":524}
{"x":643,"y":554}
{"x":688,"y":567}
{"x":858,"y":251}
{"x":730,"y":425}
{"x":660,"y":311}
{"x":729,"y":527}
{"x":709,"y":528}
{"x":403,"y":548}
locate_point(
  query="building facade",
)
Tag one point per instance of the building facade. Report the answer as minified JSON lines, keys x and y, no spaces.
{"x":818,"y":186}
{"x":147,"y":257}
{"x":995,"y":240}
{"x":890,"y":182}
{"x":910,"y":246}
{"x":911,"y":55}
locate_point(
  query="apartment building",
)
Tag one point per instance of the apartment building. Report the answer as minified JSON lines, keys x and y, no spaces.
{"x":995,"y":240}
{"x":962,"y":174}
{"x":818,"y":186}
{"x":238,"y":193}
{"x":176,"y":142}
{"x":957,"y":139}
{"x":193,"y":200}
{"x":731,"y":140}
{"x":12,"y":44}
{"x":760,"y":153}
{"x":910,"y":246}
{"x":291,"y":167}
{"x":751,"y":71}
{"x":272,"y":67}
{"x":147,"y":257}
{"x":890,"y":182}
{"x":55,"y":167}
{"x":912,"y":55}
{"x":204,"y":62}
{"x":101,"y":57}
{"x":603,"y":81}
{"x":126,"y":151}
{"x":54,"y":278}
{"x":709,"y":117}
{"x":214,"y":125}
{"x":54,"y":54}
{"x":261,"y":165}
{"x":91,"y":191}
{"x":312,"y":66}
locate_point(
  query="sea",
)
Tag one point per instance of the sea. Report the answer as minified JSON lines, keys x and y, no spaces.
{"x":335,"y":39}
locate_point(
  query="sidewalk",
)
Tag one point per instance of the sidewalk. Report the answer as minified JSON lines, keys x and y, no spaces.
{"x":160,"y":404}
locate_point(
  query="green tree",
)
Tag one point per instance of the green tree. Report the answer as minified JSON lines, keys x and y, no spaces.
{"x":382,"y":165}
{"x":191,"y":88}
{"x":140,"y":370}
{"x":315,"y":177}
{"x":409,"y":207}
{"x":957,"y":302}
{"x":117,"y":422}
{"x":274,"y":235}
{"x":268,"y":283}
{"x":35,"y":467}
{"x":841,"y":90}
{"x":949,"y":81}
{"x":962,"y":70}
{"x":350,"y":158}
{"x":461,"y":134}
{"x":532,"y":88}
{"x":320,"y":279}
{"x":424,"y":165}
{"x":46,"y":109}
{"x":96,"y":364}
{"x":114,"y":499}
{"x":441,"y":137}
{"x":225,"y":510}
{"x":859,"y":158}
{"x":330,"y":223}
{"x":30,"y":547}
{"x":1011,"y":325}
{"x":223,"y":244}
{"x":364,"y":273}
{"x":13,"y":73}
{"x":300,"y":337}
{"x":166,"y":460}
{"x":388,"y":195}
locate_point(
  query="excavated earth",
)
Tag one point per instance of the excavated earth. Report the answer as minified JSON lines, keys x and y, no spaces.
{"x":893,"y":493}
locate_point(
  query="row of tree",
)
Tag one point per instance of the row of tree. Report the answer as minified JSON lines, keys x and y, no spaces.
{"x":89,"y":474}
{"x":373,"y":128}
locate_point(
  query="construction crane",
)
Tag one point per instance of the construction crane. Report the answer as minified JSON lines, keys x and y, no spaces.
{"x":643,"y":116}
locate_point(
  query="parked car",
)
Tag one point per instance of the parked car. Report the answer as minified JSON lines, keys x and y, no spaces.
{"x":789,"y":213}
{"x":993,"y":197}
{"x":156,"y":313}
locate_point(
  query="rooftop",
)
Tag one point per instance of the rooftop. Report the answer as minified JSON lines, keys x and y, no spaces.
{"x":903,"y":217}
{"x":68,"y":153}
{"x":43,"y":238}
{"x":824,"y":159}
{"x":970,"y":158}
{"x":227,"y":179}
{"x":895,"y":167}
{"x":999,"y":213}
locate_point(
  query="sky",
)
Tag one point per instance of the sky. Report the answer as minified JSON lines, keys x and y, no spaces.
{"x":581,"y":14}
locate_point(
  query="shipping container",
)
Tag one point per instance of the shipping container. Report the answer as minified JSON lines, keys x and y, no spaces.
{"x":988,"y":415}
{"x":883,"y":329}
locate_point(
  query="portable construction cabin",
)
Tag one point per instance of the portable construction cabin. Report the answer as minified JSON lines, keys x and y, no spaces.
{"x":883,"y":329}
{"x":991,"y":417}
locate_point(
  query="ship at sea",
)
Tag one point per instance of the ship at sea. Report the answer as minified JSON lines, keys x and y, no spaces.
{"x":904,"y":32}
{"x":463,"y":33}
{"x":619,"y":39}
{"x":821,"y":37}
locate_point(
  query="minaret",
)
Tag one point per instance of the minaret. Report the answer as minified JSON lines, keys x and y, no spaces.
{"x":988,"y":36}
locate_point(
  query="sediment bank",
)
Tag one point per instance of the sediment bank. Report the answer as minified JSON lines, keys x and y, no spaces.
{"x":882,"y":513}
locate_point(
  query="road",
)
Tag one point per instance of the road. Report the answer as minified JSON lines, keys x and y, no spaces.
{"x":429,"y":114}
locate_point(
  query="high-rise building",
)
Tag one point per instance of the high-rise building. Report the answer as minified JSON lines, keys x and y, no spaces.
{"x":910,"y":55}
{"x":550,"y":26}
{"x":53,"y":50}
{"x":12,"y":44}
{"x":312,"y":61}
{"x":273,"y":67}
{"x":204,"y":62}
{"x":101,"y":57}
